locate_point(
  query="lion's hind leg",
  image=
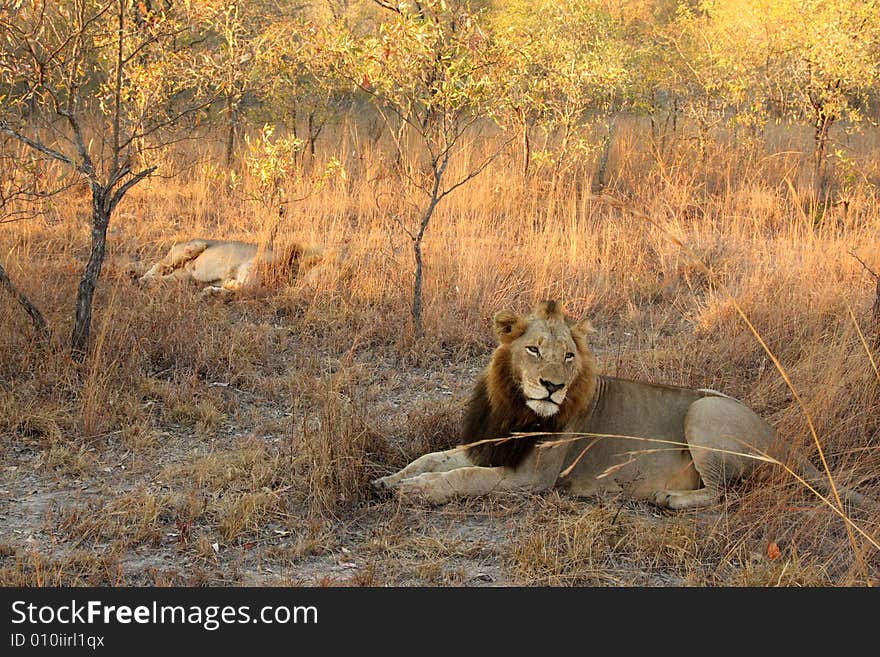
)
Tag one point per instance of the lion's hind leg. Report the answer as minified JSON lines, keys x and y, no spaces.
{"x":722,"y":435}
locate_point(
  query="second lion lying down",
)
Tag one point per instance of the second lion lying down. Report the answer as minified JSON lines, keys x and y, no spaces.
{"x":228,"y":266}
{"x":677,"y":447}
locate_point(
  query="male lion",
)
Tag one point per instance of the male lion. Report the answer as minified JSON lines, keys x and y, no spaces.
{"x":226,"y":266}
{"x":677,"y":447}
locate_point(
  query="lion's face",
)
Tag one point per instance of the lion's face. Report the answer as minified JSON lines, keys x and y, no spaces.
{"x":547,"y":354}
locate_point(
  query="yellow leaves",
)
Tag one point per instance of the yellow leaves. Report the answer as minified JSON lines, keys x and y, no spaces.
{"x":270,"y":159}
{"x":334,"y":168}
{"x":271,"y":163}
{"x":438,"y":62}
{"x":272,"y":168}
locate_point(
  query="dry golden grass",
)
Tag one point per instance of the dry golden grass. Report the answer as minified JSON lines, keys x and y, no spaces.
{"x":239,"y":437}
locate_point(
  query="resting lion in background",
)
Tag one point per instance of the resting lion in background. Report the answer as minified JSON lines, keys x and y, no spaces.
{"x":228,"y":266}
{"x":543,"y":379}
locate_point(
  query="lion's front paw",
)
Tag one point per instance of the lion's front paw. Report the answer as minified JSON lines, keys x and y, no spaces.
{"x":684,"y":499}
{"x":384,"y":483}
{"x":430,"y":488}
{"x":661,"y":498}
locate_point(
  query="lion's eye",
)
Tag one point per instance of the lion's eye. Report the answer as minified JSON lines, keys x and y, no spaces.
{"x":533,"y":350}
{"x":569,"y":356}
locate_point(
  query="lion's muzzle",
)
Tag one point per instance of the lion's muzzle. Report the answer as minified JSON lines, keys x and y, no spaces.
{"x":551,"y":387}
{"x":543,"y":407}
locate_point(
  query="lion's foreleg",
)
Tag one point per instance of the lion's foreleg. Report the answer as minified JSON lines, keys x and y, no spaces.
{"x":231,"y":285}
{"x":174,"y":260}
{"x":537,"y":473}
{"x":471,"y":481}
{"x":432,"y":462}
{"x":210,"y":291}
{"x":151,"y":273}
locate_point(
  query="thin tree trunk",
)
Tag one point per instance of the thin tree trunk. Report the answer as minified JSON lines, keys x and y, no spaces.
{"x":400,"y":135}
{"x":526,"y":142}
{"x":86,"y":292}
{"x":36,"y":316}
{"x":703,"y":127}
{"x":561,"y":157}
{"x":600,"y":181}
{"x":674,"y":114}
{"x":417,"y":252}
{"x":314,"y":131}
{"x":417,"y":290}
{"x":876,"y":311}
{"x":232,"y":130}
{"x":820,"y":173}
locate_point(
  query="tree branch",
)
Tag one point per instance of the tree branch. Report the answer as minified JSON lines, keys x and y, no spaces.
{"x":134,"y":180}
{"x":87,"y":167}
{"x":7,"y":130}
{"x":164,"y":124}
{"x":390,"y":6}
{"x":475,"y":172}
{"x":36,"y":316}
{"x":117,"y":91}
{"x":867,"y":268}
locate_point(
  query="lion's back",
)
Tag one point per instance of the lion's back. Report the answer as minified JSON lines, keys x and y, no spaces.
{"x":221,"y":260}
{"x":643,"y":446}
{"x":636,"y":408}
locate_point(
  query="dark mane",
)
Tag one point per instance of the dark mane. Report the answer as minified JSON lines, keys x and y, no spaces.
{"x":497,"y":409}
{"x":281,"y":265}
{"x":292,"y":257}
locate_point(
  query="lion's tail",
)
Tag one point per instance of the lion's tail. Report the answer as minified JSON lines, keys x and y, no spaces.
{"x":819,"y":480}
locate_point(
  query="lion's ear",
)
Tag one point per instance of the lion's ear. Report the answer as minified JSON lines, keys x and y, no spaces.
{"x":508,"y":326}
{"x":584,"y":327}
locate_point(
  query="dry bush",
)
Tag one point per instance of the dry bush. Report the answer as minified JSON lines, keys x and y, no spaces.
{"x":430,"y":426}
{"x":132,"y":518}
{"x":561,"y":544}
{"x":81,"y":568}
{"x":335,"y":449}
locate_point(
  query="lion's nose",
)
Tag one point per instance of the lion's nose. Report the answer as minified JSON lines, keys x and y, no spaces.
{"x":551,"y":387}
